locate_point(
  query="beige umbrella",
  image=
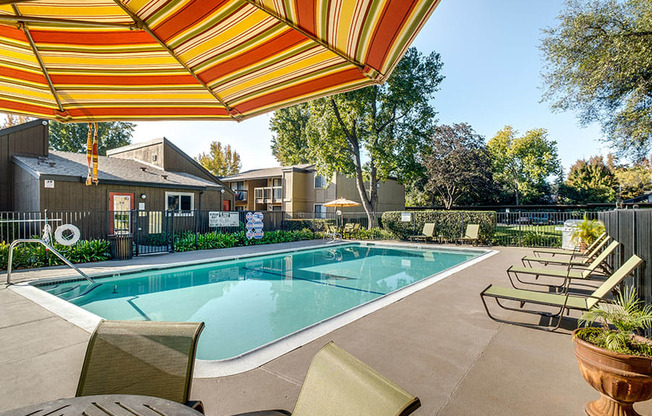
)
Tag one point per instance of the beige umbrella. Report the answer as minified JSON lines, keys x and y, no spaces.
{"x":342,"y":202}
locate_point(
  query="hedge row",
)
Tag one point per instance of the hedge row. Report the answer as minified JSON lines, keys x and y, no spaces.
{"x":448,"y":224}
{"x":213,"y":240}
{"x":28,"y":256}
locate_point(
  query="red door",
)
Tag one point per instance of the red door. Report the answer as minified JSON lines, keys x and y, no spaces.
{"x":226,"y":205}
{"x":121,"y":205}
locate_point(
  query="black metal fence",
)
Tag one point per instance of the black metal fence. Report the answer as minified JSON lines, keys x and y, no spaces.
{"x":534,"y":229}
{"x":633,"y":229}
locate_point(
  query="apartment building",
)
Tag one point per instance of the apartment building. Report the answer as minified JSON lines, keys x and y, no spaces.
{"x":300,"y":188}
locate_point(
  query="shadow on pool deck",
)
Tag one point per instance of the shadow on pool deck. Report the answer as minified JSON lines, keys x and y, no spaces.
{"x":437,"y":343}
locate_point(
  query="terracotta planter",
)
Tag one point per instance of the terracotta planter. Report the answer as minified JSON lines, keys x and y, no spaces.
{"x":621,"y":379}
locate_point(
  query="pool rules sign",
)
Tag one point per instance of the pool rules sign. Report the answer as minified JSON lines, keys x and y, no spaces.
{"x":254,"y":225}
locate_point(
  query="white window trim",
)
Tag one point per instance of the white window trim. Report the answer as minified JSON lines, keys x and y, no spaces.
{"x":178,"y":213}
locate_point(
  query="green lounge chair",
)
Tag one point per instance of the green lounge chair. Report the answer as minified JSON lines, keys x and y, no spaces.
{"x":427,"y":233}
{"x":528,"y":260}
{"x":575,"y":253}
{"x":600,"y":262}
{"x":141,"y":357}
{"x":338,"y":384}
{"x":564,"y":301}
{"x":471,"y":234}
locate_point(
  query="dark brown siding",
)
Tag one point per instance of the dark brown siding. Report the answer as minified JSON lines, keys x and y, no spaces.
{"x":177,"y":162}
{"x":26,"y":190}
{"x":76,"y":196}
{"x":26,"y":139}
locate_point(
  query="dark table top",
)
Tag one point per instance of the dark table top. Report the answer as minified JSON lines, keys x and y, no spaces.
{"x":106,"y":405}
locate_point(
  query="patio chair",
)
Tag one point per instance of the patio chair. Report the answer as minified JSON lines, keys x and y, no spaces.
{"x":332,"y":232}
{"x":471,"y":234}
{"x":561,"y":251}
{"x":527,"y":260}
{"x":339,"y":384}
{"x":564,"y":301}
{"x":427,"y":232}
{"x":141,"y":357}
{"x":598,"y":265}
{"x":350,"y":229}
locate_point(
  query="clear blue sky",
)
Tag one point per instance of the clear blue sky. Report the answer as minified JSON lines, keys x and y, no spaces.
{"x":492,"y":66}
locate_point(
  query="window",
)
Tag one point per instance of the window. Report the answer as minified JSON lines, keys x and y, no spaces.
{"x":238,"y":186}
{"x":276,"y":182}
{"x":320,"y":182}
{"x":180,"y":203}
{"x":276,"y":208}
{"x":320,"y":211}
{"x":240,"y":208}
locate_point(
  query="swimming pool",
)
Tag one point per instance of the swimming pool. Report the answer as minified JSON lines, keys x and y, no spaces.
{"x":250,"y":303}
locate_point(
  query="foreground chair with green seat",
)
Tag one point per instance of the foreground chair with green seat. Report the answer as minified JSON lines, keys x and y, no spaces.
{"x":338,"y":384}
{"x":427,"y":233}
{"x":585,"y":261}
{"x":575,"y":253}
{"x":141,"y":357}
{"x":598,"y":265}
{"x":471,"y":234}
{"x":564,"y":302}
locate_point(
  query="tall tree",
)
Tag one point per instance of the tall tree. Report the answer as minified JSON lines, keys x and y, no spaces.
{"x":633,"y":181}
{"x":290,"y":144}
{"x":382,"y":125}
{"x":590,"y":181}
{"x":523,"y":164}
{"x":220,"y":160}
{"x":599,"y":62}
{"x":458,"y":165}
{"x":72,"y":137}
{"x":13,"y":120}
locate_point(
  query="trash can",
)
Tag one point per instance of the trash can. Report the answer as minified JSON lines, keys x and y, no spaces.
{"x":567,"y":234}
{"x":121,"y":246}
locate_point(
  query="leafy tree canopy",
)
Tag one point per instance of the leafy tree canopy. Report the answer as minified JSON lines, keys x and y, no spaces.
{"x":633,"y":181}
{"x":72,"y":137}
{"x":599,"y":62}
{"x":589,"y":181}
{"x":523,"y":164}
{"x":383,"y":125}
{"x":220,"y":160}
{"x":289,"y":143}
{"x":458,"y":165}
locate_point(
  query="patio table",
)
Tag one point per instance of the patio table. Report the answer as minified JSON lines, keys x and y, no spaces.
{"x":106,"y":405}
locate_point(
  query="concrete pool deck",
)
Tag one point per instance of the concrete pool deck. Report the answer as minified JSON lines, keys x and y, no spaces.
{"x":437,"y":343}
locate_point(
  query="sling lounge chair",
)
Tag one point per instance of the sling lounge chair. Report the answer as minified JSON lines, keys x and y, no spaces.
{"x":528,"y":260}
{"x":338,"y":384}
{"x":564,"y":301}
{"x":471,"y":234}
{"x":600,"y":262}
{"x":575,"y":253}
{"x":427,"y":233}
{"x":141,"y":357}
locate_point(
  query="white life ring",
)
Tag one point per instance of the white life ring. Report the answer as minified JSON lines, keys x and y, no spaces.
{"x":70,"y":238}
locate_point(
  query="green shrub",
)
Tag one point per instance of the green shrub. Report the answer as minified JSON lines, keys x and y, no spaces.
{"x":533,"y":239}
{"x":374,"y":234}
{"x":317,"y":224}
{"x":28,"y":256}
{"x":448,"y":224}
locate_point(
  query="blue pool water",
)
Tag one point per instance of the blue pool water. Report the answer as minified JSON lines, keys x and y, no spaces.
{"x":251,"y":302}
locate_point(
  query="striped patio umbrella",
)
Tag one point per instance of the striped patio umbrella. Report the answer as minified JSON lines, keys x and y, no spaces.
{"x":101,"y":60}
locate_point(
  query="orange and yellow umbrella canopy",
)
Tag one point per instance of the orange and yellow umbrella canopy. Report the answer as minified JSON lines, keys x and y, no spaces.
{"x":101,"y":60}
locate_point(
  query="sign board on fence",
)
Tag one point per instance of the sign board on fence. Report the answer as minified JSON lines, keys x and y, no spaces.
{"x":223,"y":219}
{"x":49,"y":183}
{"x":406,"y":216}
{"x":254,"y":225}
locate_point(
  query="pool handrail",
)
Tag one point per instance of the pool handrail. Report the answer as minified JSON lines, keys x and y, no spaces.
{"x":49,"y":247}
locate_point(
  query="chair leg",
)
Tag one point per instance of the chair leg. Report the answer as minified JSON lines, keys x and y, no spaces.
{"x":558,"y":315}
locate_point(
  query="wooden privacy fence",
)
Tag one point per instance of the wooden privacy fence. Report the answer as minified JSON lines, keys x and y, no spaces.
{"x":633,"y":228}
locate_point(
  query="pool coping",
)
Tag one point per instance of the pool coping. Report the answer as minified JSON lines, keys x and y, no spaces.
{"x":265,"y":353}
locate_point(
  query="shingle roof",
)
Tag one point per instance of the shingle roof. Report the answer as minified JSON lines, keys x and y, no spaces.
{"x":110,"y":169}
{"x":265,"y":172}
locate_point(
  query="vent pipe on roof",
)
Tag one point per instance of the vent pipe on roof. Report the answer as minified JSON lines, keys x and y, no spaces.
{"x":143,"y":168}
{"x":164,"y":176}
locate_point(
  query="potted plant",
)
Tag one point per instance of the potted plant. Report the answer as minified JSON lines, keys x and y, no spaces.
{"x":614,"y":358}
{"x":587,"y":231}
